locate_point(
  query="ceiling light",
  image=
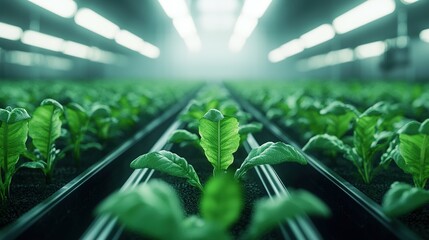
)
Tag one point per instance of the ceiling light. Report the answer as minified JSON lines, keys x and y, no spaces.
{"x":318,"y":35}
{"x":174,"y":8}
{"x":214,"y":22}
{"x":365,"y":13}
{"x":193,"y":43}
{"x":245,"y":26}
{"x":217,"y":6}
{"x":424,"y":35}
{"x":96,"y":23}
{"x":129,"y":40}
{"x":42,"y":41}
{"x":98,"y":55}
{"x":63,"y":8}
{"x":409,"y":1}
{"x":286,"y":50}
{"x":10,"y":32}
{"x":370,"y":50}
{"x":185,"y":26}
{"x":76,"y":49}
{"x":149,"y":50}
{"x":255,"y":8}
{"x":236,"y":43}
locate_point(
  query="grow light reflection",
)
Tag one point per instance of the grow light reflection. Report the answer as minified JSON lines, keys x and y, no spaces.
{"x":363,"y":14}
{"x":10,"y":32}
{"x":369,"y":50}
{"x":424,"y":35}
{"x":63,"y":8}
{"x":42,"y":41}
{"x":96,"y":23}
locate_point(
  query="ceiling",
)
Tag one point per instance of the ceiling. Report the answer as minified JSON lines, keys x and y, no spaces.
{"x":283,"y":21}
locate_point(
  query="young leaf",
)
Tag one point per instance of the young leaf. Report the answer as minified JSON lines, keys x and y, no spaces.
{"x":247,"y":129}
{"x":180,"y":136}
{"x":402,"y":199}
{"x":77,"y":120}
{"x":196,"y":228}
{"x":13,"y":135}
{"x":219,"y":139}
{"x":270,"y":153}
{"x":414,"y":149}
{"x":153,"y":210}
{"x":328,"y":143}
{"x":222,"y":201}
{"x":170,"y":163}
{"x":268,"y":213}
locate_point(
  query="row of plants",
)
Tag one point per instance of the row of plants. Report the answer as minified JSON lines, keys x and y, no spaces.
{"x":216,"y":127}
{"x":358,"y":131}
{"x":43,"y":125}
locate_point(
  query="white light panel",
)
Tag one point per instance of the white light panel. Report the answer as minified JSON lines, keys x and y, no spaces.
{"x":96,"y":23}
{"x":42,"y":41}
{"x":63,"y":8}
{"x":10,"y":32}
{"x":369,"y":50}
{"x":318,"y":35}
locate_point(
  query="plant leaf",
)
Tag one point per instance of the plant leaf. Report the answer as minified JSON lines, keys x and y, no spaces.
{"x":364,"y":135}
{"x":219,"y":139}
{"x":180,"y":136}
{"x":222,"y":201}
{"x":170,"y":163}
{"x":249,"y":128}
{"x":34,"y":165}
{"x":77,"y":118}
{"x":270,"y":153}
{"x":196,"y":228}
{"x":269,"y":212}
{"x":152,"y":210}
{"x":402,"y":199}
{"x":45,"y":126}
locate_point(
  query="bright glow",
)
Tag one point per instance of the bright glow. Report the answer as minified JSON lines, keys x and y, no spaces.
{"x":236,"y":43}
{"x":318,"y":35}
{"x":149,"y":50}
{"x":409,"y":1}
{"x":286,"y":50}
{"x":174,"y":8}
{"x":217,"y":6}
{"x":63,"y":8}
{"x":215,"y":22}
{"x":365,"y":13}
{"x":98,"y":55}
{"x":129,"y":40}
{"x":42,"y":41}
{"x":255,"y":8}
{"x":36,"y":59}
{"x":369,"y":50}
{"x":245,"y":26}
{"x":76,"y":49}
{"x":58,"y":63}
{"x":10,"y":32}
{"x":339,"y":56}
{"x":96,"y":23}
{"x":185,"y":26}
{"x":424,"y":35}
{"x":193,"y":43}
{"x":21,"y":58}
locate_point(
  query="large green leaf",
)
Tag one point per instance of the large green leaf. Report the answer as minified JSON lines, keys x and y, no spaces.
{"x":222,"y":201}
{"x":219,"y":139}
{"x":364,"y":133}
{"x":77,"y":118}
{"x":402,"y":199}
{"x":151,"y":210}
{"x":170,"y":163}
{"x":181,"y":135}
{"x":269,"y":212}
{"x":13,"y":135}
{"x":270,"y":153}
{"x":45,"y":126}
{"x":326,"y":142}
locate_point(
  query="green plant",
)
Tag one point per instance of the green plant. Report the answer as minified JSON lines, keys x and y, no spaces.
{"x":13,"y":135}
{"x":220,"y":207}
{"x":367,"y":142}
{"x":44,"y":130}
{"x":402,"y":199}
{"x":339,"y":117}
{"x":219,"y":140}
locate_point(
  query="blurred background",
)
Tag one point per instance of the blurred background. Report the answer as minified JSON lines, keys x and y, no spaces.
{"x":214,"y":39}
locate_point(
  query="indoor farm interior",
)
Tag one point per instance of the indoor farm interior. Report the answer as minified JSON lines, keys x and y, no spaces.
{"x":214,"y":119}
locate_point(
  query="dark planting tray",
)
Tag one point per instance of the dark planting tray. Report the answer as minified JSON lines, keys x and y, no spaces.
{"x":354,"y":214}
{"x":67,"y":213}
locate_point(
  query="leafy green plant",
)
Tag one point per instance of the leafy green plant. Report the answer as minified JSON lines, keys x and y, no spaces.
{"x":220,"y":207}
{"x":402,"y":199}
{"x":13,"y":135}
{"x":44,"y":130}
{"x":367,"y":142}
{"x":219,"y":140}
{"x":339,"y":117}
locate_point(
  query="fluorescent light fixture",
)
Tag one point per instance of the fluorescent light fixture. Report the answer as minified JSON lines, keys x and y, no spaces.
{"x":149,"y":50}
{"x":185,"y":26}
{"x":129,"y":40}
{"x":286,"y":50}
{"x":409,"y":1}
{"x":318,"y":35}
{"x":215,"y":22}
{"x":174,"y":8}
{"x":365,"y":13}
{"x":217,"y":6}
{"x":424,"y":35}
{"x":96,"y":23}
{"x":63,"y":8}
{"x":245,"y":26}
{"x":339,"y":56}
{"x":275,"y":56}
{"x":20,"y":58}
{"x":369,"y":50}
{"x":236,"y":43}
{"x":42,"y":41}
{"x":193,"y":43}
{"x":98,"y":55}
{"x":255,"y":8}
{"x":76,"y":49}
{"x":10,"y":32}
{"x":58,"y":63}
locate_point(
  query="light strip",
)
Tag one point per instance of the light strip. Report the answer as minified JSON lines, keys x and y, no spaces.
{"x":42,"y":41}
{"x":149,"y":50}
{"x":369,"y":50}
{"x":245,"y":26}
{"x":185,"y":26}
{"x":363,"y":14}
{"x":286,"y":50}
{"x":255,"y":8}
{"x":96,"y":23}
{"x":318,"y":35}
{"x":63,"y":8}
{"x":409,"y":1}
{"x":10,"y":32}
{"x":236,"y":43}
{"x":129,"y":40}
{"x":424,"y":35}
{"x":174,"y":8}
{"x":76,"y":50}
